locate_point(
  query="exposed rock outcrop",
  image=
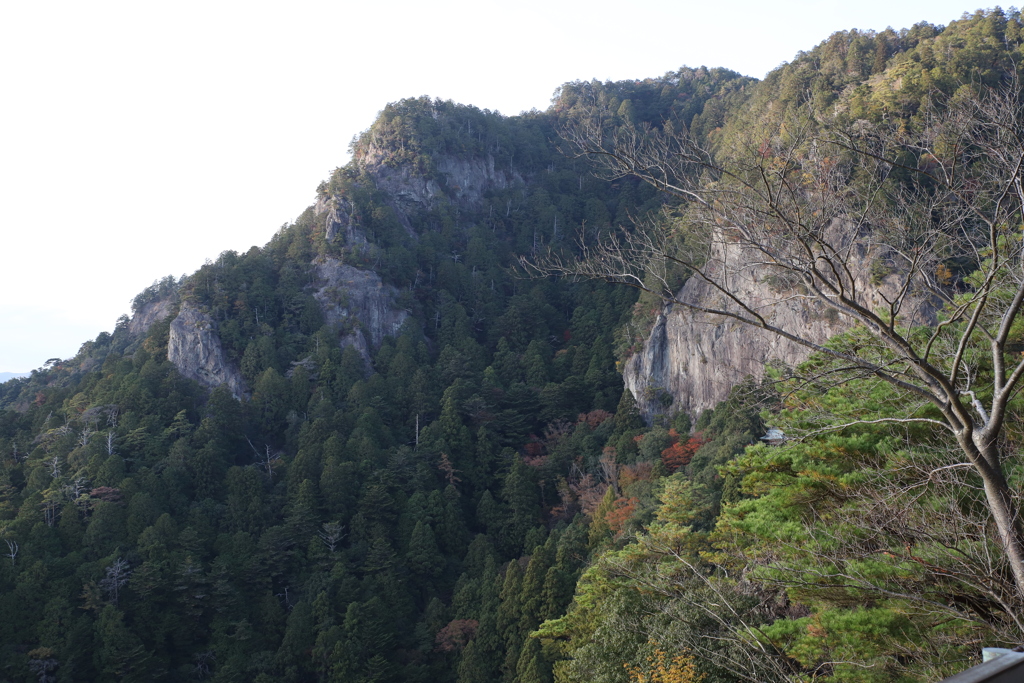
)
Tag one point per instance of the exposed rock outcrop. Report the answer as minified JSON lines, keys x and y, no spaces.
{"x":339,"y":220}
{"x":195,"y":349}
{"x":466,"y":179}
{"x":463,"y":180}
{"x":148,"y":315}
{"x":357,"y":304}
{"x":695,"y":359}
{"x":354,"y":302}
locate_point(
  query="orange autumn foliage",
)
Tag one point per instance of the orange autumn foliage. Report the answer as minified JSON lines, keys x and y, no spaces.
{"x":680,"y":453}
{"x":620,"y":514}
{"x":640,"y":471}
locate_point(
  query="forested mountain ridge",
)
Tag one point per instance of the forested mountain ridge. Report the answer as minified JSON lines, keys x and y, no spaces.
{"x":372,"y":451}
{"x":849,"y":77}
{"x":412,"y":417}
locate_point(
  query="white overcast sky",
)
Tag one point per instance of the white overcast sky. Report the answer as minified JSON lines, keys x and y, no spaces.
{"x":138,"y":139}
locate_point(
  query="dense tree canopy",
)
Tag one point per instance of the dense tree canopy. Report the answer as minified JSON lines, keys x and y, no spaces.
{"x":477,"y":498}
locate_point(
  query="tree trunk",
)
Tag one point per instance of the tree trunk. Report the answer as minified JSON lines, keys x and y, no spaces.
{"x":1005,"y":515}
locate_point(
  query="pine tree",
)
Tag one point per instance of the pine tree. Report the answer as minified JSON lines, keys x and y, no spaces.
{"x":535,"y":365}
{"x":509,"y":619}
{"x":451,"y":529}
{"x":600,"y":530}
{"x":506,"y":364}
{"x":532,"y":667}
{"x":627,"y":415}
{"x":481,"y":660}
{"x":299,"y":638}
{"x":423,"y":557}
{"x":456,"y":436}
{"x":533,"y":585}
{"x":120,"y":656}
{"x":521,"y":497}
{"x":488,"y":514}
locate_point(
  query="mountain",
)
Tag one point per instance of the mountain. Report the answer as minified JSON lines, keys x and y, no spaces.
{"x":855,"y":76}
{"x":375,"y":449}
{"x":4,"y":376}
{"x":337,"y":442}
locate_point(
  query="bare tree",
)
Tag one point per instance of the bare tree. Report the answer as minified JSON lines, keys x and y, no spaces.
{"x":65,"y":428}
{"x":50,"y":505}
{"x":203,"y":664}
{"x":117,"y":575}
{"x":867,"y":224}
{"x":610,"y":469}
{"x":265,"y":460}
{"x":76,"y":489}
{"x":331,"y":534}
{"x":12,"y":550}
{"x":449,"y":470}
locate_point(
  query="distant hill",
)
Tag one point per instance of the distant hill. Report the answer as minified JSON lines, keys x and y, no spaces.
{"x":4,"y":376}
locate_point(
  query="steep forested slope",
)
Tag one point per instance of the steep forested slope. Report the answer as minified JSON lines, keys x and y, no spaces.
{"x":372,"y":451}
{"x":861,"y":552}
{"x":413,"y":416}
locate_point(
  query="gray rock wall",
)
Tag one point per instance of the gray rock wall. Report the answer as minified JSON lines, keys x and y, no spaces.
{"x":466,"y":179}
{"x":357,"y":304}
{"x":698,"y":358}
{"x":148,"y":315}
{"x":339,"y":220}
{"x":195,"y":349}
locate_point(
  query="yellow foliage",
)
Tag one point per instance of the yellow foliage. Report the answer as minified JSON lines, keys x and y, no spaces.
{"x":660,"y":668}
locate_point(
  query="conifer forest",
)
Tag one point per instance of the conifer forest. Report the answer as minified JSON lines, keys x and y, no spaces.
{"x":689,"y":378}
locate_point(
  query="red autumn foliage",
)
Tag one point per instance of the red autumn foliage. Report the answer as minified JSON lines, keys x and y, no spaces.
{"x":620,"y":514}
{"x":680,"y":453}
{"x":456,"y":635}
{"x":640,"y":471}
{"x":534,"y":452}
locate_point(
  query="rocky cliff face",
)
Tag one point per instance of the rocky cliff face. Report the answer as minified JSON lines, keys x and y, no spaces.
{"x":691,"y":360}
{"x":354,"y":302}
{"x":465,"y":179}
{"x":148,"y":315}
{"x":357,"y":304}
{"x":196,"y":351}
{"x":339,"y":221}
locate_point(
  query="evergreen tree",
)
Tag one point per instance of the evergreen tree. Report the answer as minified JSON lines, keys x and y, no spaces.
{"x":423,"y":557}
{"x":519,"y":494}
